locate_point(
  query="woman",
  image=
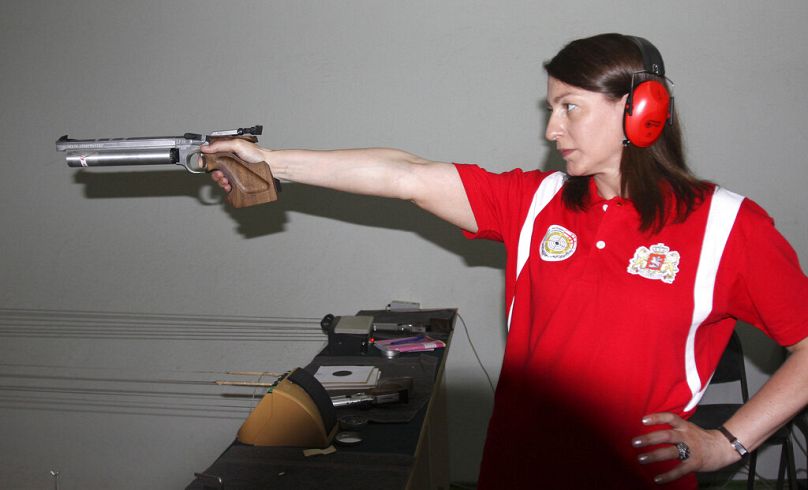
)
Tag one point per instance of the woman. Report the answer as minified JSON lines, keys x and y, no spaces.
{"x":624,"y":280}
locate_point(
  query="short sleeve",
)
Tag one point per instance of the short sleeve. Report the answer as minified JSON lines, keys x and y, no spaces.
{"x":768,"y":287}
{"x":498,"y":201}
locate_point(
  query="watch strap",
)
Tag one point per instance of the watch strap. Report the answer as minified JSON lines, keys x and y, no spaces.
{"x":736,"y":444}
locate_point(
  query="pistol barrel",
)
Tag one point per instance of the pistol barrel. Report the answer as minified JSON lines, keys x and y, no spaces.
{"x":161,"y":156}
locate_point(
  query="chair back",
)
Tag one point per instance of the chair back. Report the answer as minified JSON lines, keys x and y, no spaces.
{"x":731,"y":366}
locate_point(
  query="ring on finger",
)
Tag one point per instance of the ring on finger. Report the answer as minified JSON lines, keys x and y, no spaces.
{"x":684,"y":450}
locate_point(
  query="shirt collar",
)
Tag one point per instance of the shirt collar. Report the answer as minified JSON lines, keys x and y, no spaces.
{"x":596,"y":200}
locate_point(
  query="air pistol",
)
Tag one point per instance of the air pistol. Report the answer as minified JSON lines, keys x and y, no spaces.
{"x":252,"y":183}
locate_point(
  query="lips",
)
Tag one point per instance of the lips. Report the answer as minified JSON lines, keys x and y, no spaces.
{"x":565,"y":152}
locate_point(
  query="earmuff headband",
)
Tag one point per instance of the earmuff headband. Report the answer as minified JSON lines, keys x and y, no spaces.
{"x":651,"y":58}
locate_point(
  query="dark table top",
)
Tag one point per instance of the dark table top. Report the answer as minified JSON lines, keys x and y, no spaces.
{"x":386,"y":454}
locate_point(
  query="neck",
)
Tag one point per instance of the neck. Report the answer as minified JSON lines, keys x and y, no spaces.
{"x":608,"y":185}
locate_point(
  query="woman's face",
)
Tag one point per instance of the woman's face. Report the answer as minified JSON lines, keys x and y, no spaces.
{"x":587,"y":128}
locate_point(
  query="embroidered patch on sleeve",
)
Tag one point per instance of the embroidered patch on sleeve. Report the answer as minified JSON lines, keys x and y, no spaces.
{"x":558,"y":244}
{"x":657,"y":262}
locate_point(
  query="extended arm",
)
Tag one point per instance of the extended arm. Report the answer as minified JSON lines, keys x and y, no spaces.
{"x":383,"y":172}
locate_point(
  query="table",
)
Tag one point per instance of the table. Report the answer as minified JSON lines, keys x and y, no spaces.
{"x":403,"y":447}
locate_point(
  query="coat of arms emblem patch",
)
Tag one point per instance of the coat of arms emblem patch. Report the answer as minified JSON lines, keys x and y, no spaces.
{"x":655,"y":262}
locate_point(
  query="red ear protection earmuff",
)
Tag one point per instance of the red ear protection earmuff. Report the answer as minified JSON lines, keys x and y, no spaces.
{"x":649,"y":105}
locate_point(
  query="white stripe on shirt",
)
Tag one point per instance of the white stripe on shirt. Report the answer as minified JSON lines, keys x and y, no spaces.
{"x":723,"y":211}
{"x":548,"y":188}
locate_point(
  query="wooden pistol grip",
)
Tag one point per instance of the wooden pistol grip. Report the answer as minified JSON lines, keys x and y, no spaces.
{"x":252,"y":183}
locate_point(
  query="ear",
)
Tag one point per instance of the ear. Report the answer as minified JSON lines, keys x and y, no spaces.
{"x":620,"y":104}
{"x":620,"y":113}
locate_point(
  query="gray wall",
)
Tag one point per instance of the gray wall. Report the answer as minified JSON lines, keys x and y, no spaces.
{"x":454,"y":80}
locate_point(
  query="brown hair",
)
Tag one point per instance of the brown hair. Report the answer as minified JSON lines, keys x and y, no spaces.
{"x":605,"y":64}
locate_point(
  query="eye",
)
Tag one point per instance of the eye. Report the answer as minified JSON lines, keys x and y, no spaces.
{"x":570,"y":107}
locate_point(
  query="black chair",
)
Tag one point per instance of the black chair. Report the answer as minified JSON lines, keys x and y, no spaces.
{"x":787,"y":464}
{"x":731,"y":369}
{"x":801,"y":423}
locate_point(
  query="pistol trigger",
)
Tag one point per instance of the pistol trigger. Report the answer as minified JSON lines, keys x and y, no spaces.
{"x":200,"y":166}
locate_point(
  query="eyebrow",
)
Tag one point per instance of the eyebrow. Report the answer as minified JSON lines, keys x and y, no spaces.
{"x":558,"y":97}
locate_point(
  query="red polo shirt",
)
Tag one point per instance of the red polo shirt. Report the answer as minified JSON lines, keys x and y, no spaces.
{"x":608,"y":324}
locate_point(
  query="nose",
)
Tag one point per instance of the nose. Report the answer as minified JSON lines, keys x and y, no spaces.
{"x":554,"y":128}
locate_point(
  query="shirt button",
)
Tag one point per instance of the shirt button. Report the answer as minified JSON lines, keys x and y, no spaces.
{"x":605,"y":207}
{"x":601,"y":244}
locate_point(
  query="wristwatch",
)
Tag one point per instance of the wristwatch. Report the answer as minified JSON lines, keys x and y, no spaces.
{"x":736,"y":444}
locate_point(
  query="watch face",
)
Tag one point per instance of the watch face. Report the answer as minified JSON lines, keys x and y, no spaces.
{"x":739,"y":447}
{"x":733,"y":441}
